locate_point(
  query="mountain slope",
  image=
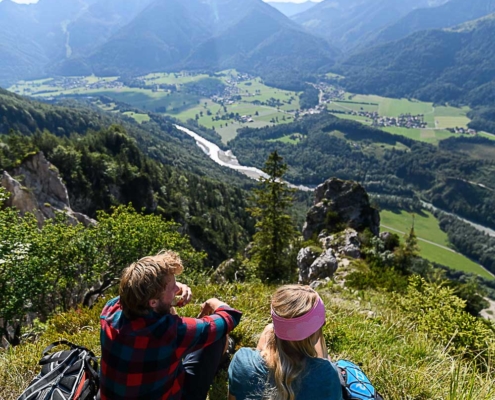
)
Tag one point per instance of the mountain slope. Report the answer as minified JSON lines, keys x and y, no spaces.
{"x":99,"y":22}
{"x":347,"y":23}
{"x":179,"y":34}
{"x":453,"y":13}
{"x":262,"y":42}
{"x":454,"y":65}
{"x":290,"y":9}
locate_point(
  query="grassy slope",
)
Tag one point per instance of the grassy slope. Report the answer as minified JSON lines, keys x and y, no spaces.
{"x":426,"y":227}
{"x":402,"y":363}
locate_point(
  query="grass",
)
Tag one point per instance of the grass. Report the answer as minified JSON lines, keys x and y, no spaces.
{"x":137,"y":117}
{"x":293,"y":138}
{"x":364,"y":327}
{"x":426,"y":227}
{"x":432,"y":136}
{"x":178,"y":78}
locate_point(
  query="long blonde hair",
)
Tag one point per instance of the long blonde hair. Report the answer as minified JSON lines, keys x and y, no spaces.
{"x":285,"y":359}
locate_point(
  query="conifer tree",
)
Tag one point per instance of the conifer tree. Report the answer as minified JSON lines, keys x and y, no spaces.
{"x":274,"y":227}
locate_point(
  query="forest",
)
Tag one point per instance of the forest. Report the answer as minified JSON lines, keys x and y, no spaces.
{"x":349,"y":150}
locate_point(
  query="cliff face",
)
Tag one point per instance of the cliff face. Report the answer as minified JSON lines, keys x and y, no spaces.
{"x":38,"y":188}
{"x":338,"y":205}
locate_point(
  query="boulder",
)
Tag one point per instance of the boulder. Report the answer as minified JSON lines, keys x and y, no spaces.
{"x":229,"y":271}
{"x":345,"y":244}
{"x":323,"y":266}
{"x":340,"y":204}
{"x":40,"y":190}
{"x":305,"y":258}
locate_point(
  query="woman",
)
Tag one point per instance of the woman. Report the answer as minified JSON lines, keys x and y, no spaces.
{"x":291,"y":360}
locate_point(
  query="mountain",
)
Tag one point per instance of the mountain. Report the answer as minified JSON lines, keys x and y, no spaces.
{"x":347,"y":23}
{"x":178,"y":34}
{"x":454,"y":65}
{"x":98,"y":22}
{"x":290,"y":9}
{"x":453,"y":13}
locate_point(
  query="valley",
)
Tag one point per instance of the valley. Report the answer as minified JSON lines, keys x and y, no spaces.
{"x":228,"y":100}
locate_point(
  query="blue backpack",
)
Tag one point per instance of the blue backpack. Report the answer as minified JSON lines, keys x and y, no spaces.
{"x":355,"y":384}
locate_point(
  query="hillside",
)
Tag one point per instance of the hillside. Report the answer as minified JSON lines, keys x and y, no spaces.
{"x":452,"y":65}
{"x":346,"y":24}
{"x":81,"y":37}
{"x":106,"y":158}
{"x":172,"y":35}
{"x":386,"y":164}
{"x":290,"y":9}
{"x":452,"y":13}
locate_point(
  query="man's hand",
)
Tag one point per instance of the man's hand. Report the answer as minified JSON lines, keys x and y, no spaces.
{"x":185,"y":294}
{"x":209,"y":307}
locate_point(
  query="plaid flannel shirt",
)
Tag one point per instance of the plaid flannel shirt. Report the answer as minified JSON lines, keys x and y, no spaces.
{"x":142,"y":358}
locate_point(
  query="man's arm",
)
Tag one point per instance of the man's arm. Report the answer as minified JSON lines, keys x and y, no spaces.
{"x":215,"y":321}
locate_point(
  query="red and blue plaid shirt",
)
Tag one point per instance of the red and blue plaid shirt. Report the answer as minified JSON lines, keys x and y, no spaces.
{"x":142,"y":358}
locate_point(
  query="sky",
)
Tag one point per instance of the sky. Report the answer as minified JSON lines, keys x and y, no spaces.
{"x":273,"y":1}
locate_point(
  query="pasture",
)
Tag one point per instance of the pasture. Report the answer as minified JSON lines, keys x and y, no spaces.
{"x":426,"y":227}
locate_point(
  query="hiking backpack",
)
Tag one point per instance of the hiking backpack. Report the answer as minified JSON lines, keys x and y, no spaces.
{"x":65,"y":375}
{"x":355,"y":384}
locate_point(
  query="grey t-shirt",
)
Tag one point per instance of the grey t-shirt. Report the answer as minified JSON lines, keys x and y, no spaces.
{"x":248,"y":378}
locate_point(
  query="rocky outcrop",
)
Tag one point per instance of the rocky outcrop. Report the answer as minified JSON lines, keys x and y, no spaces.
{"x":338,"y":205}
{"x":230,"y":270}
{"x":38,"y":188}
{"x":345,"y":244}
{"x":313,"y":266}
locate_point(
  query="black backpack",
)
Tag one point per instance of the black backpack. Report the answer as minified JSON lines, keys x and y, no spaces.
{"x":355,"y":384}
{"x":65,"y":375}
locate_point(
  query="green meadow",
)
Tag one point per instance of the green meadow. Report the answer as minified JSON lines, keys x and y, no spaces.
{"x":427,"y":228}
{"x":181,"y":104}
{"x":437,"y":118}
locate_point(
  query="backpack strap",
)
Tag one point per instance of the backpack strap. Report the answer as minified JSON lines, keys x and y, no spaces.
{"x":66,"y":343}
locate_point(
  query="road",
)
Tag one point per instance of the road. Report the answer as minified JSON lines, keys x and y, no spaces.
{"x":434,"y":244}
{"x":422,"y":240}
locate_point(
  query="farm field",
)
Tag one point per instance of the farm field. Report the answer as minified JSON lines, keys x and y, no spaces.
{"x":437,"y":118}
{"x":426,"y":227}
{"x":432,"y":136}
{"x":263,"y":104}
{"x":137,"y":117}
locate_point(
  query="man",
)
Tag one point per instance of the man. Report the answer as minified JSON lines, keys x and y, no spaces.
{"x":148,"y":351}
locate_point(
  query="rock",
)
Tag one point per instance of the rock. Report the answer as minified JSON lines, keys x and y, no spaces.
{"x":340,"y":204}
{"x":247,"y":251}
{"x":228,"y":271}
{"x":42,"y":191}
{"x":21,"y":197}
{"x":346,"y":243}
{"x":324,"y":266}
{"x":305,"y":258}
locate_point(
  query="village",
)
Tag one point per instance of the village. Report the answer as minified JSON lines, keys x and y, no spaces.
{"x":73,"y":83}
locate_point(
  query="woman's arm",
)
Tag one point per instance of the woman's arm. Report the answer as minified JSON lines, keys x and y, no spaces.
{"x":231,"y":397}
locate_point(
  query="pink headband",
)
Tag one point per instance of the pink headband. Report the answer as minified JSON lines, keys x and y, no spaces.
{"x":301,"y":327}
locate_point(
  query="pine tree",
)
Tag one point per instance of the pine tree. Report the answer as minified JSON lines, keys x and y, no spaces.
{"x":274,"y":227}
{"x":407,"y":252}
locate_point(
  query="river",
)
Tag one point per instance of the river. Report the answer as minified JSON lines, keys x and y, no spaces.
{"x":227,"y":158}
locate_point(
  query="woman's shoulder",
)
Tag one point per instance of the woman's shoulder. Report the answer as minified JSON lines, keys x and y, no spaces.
{"x":322,"y":366}
{"x":247,"y":358}
{"x":322,"y":379}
